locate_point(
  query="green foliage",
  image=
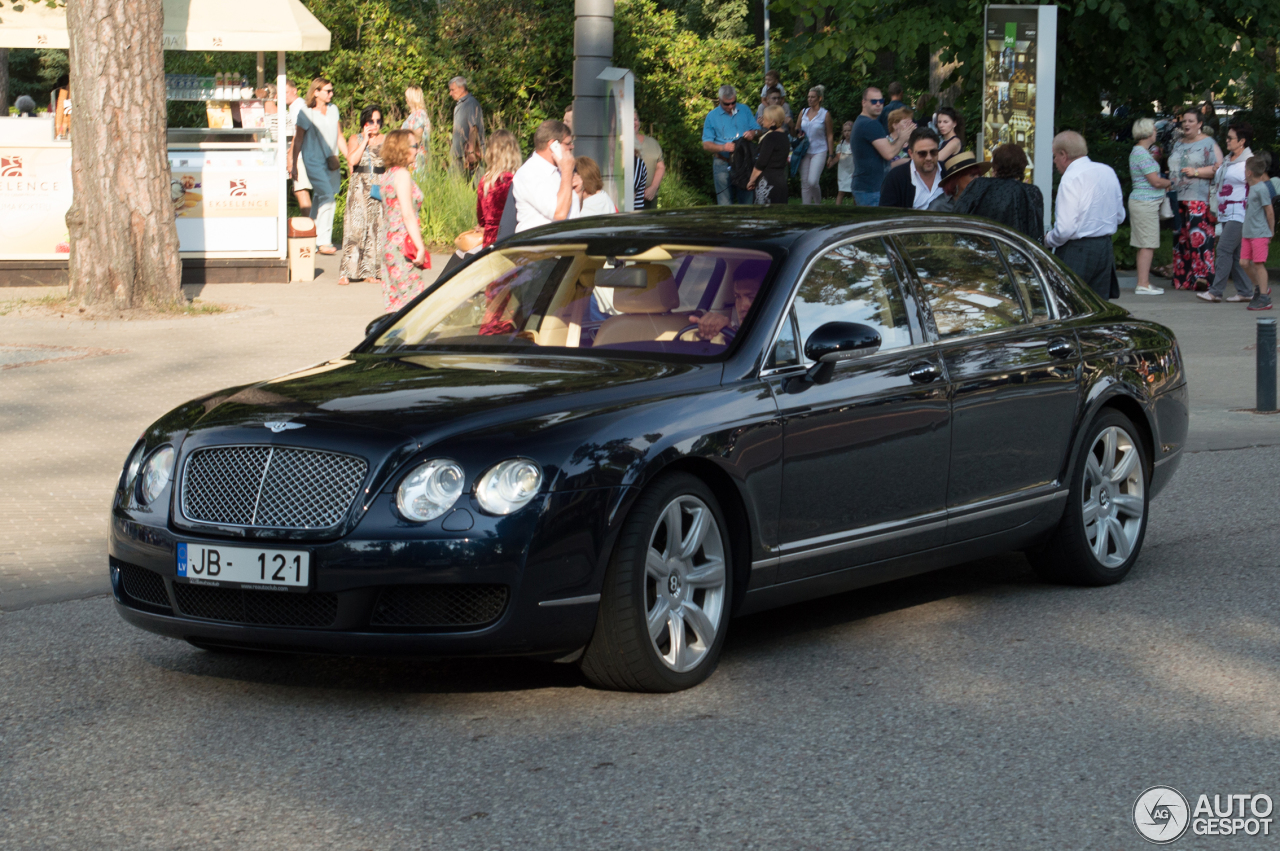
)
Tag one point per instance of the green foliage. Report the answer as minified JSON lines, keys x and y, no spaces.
{"x":36,"y":73}
{"x":448,"y":204}
{"x":676,"y":192}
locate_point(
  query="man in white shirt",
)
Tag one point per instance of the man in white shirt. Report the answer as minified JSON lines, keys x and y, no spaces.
{"x":543,"y":186}
{"x":1088,"y":210}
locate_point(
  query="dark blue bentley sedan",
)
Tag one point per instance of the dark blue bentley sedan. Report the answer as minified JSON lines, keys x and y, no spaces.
{"x":600,"y":440}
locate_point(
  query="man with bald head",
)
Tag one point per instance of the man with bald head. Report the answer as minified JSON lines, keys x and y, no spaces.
{"x":1088,"y":210}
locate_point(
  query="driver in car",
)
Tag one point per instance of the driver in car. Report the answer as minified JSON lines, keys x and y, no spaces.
{"x":710,"y":324}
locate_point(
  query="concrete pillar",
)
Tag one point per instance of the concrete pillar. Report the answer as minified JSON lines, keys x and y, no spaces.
{"x":592,"y":53}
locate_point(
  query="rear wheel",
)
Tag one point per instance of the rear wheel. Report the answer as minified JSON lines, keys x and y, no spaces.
{"x":1105,"y":521}
{"x":664,"y":610}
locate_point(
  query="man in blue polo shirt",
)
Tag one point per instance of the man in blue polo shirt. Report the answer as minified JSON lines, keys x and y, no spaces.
{"x":723,"y":126}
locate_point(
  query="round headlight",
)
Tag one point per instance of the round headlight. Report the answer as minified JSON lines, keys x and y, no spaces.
{"x":430,"y":490}
{"x":132,"y":464}
{"x":509,"y":485}
{"x":155,"y":474}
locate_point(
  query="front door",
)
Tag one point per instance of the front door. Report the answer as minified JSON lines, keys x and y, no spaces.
{"x":1014,"y":373}
{"x":865,"y":455}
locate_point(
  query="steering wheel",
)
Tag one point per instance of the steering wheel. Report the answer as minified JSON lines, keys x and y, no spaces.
{"x":725,"y":332}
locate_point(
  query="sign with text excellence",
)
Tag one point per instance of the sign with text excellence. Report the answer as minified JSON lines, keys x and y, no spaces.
{"x":1018,"y":82}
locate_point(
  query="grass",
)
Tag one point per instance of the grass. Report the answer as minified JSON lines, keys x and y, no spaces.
{"x":61,"y":305}
{"x":10,"y":305}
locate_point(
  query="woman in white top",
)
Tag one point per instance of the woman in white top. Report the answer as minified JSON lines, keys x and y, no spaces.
{"x":320,"y":138}
{"x":589,"y":198}
{"x":1231,"y":192}
{"x":815,"y":122}
{"x":844,"y":163}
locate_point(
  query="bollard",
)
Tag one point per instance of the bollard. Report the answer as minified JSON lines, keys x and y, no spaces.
{"x":1266,"y":366}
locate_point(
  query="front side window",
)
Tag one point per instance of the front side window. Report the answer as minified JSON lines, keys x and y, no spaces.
{"x":569,"y":299}
{"x":855,"y":283}
{"x":964,"y":282}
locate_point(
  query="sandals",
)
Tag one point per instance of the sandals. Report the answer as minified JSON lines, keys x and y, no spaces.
{"x":344,"y":281}
{"x":326,"y":249}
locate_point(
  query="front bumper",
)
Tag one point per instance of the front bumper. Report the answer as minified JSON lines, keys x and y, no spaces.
{"x":548,"y":564}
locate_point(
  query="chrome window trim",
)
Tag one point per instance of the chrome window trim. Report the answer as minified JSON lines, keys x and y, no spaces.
{"x":866,"y":535}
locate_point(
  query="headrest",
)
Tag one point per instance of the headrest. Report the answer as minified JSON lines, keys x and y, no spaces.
{"x":587,"y":279}
{"x":661,"y":296}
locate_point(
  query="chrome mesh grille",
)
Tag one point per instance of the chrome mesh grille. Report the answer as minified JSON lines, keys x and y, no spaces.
{"x":270,"y":487}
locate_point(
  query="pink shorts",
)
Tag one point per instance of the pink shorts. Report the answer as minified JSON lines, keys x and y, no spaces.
{"x":1255,"y":249}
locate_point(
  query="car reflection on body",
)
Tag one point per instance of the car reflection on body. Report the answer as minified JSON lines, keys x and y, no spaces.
{"x":540,"y":456}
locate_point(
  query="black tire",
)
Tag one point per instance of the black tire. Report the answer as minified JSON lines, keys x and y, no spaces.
{"x":622,"y":654}
{"x":1070,"y":556}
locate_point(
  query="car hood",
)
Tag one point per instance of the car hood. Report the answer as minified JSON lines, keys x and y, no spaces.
{"x":424,"y":397}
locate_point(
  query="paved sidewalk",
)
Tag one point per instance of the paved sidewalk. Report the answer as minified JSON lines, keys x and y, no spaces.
{"x":83,"y":392}
{"x":75,"y":395}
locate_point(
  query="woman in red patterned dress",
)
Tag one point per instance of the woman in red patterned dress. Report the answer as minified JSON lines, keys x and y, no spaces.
{"x":403,"y":236}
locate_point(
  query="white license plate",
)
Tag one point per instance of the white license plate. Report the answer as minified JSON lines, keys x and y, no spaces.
{"x":244,"y":566}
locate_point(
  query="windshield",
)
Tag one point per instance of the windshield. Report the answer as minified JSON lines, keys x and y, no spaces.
{"x":685,"y":300}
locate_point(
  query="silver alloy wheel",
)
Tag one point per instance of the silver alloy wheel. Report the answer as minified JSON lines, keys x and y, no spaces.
{"x":1114,"y":496}
{"x":684,"y":583}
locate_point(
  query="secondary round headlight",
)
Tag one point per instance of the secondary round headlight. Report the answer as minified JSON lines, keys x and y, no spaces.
{"x":509,"y":485}
{"x":155,"y":474}
{"x":132,"y":464}
{"x":430,"y":490}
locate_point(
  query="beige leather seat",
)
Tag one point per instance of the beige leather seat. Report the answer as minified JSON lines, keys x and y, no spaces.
{"x":644,"y":315}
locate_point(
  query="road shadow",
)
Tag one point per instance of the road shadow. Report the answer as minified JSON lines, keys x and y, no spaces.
{"x":1006,"y":574}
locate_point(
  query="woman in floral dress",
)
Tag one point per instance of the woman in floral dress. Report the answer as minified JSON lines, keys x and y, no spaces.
{"x":1192,"y":164}
{"x":403,"y":199}
{"x":419,"y":124}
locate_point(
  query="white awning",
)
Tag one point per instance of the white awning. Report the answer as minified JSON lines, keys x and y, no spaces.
{"x":232,"y":25}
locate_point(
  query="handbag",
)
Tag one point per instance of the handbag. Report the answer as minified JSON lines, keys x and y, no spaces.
{"x":469,"y":240}
{"x":471,"y":153}
{"x":1166,"y":209}
{"x":799,"y":147}
{"x":332,"y":162}
{"x":410,"y":250}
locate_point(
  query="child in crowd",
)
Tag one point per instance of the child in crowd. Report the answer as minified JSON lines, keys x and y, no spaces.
{"x":899,"y":115}
{"x":1259,"y":227}
{"x":844,"y":163}
{"x":772,"y":80}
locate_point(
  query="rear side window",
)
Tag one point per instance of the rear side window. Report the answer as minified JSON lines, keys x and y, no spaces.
{"x":964,"y":283}
{"x":1028,"y":280}
{"x":855,"y":283}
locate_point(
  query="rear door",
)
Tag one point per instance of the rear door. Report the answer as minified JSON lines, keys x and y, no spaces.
{"x":1014,"y":373}
{"x":865,"y":455}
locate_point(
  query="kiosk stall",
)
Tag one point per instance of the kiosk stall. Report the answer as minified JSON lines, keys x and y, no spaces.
{"x":228,"y":183}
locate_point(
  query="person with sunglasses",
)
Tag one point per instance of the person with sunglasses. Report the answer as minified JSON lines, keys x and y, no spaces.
{"x":363,"y":221}
{"x":721,"y":129}
{"x":319,"y":140}
{"x":920,"y":183}
{"x":874,"y":148}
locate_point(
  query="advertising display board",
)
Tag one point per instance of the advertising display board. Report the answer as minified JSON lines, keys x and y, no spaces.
{"x":226,"y":201}
{"x":618,"y":169}
{"x":35,"y":194}
{"x":1018,"y":82}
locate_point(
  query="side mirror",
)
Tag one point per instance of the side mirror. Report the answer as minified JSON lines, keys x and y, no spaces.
{"x":377,"y":326}
{"x":832,"y":343}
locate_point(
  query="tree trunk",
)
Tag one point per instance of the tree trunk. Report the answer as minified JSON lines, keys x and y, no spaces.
{"x":4,"y":81}
{"x":124,"y":243}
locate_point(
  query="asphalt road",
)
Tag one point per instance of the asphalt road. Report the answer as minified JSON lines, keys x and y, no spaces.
{"x":968,"y":708}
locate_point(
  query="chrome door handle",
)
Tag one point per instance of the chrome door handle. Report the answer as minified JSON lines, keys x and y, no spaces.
{"x":1061,"y":349}
{"x":923,"y":373}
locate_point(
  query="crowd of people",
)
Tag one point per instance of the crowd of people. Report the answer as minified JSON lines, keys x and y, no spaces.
{"x":884,"y":157}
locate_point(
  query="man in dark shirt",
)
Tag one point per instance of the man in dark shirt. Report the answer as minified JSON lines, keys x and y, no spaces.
{"x":467,"y":115}
{"x":873,"y":149}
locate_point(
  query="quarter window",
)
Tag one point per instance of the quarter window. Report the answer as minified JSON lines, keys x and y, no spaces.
{"x":964,"y":282}
{"x":855,"y":283}
{"x":1028,"y":281}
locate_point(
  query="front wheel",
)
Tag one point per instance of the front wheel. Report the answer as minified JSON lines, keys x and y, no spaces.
{"x":664,"y":609}
{"x":1101,"y":531}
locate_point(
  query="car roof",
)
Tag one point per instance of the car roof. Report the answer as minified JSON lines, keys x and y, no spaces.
{"x":779,"y":226}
